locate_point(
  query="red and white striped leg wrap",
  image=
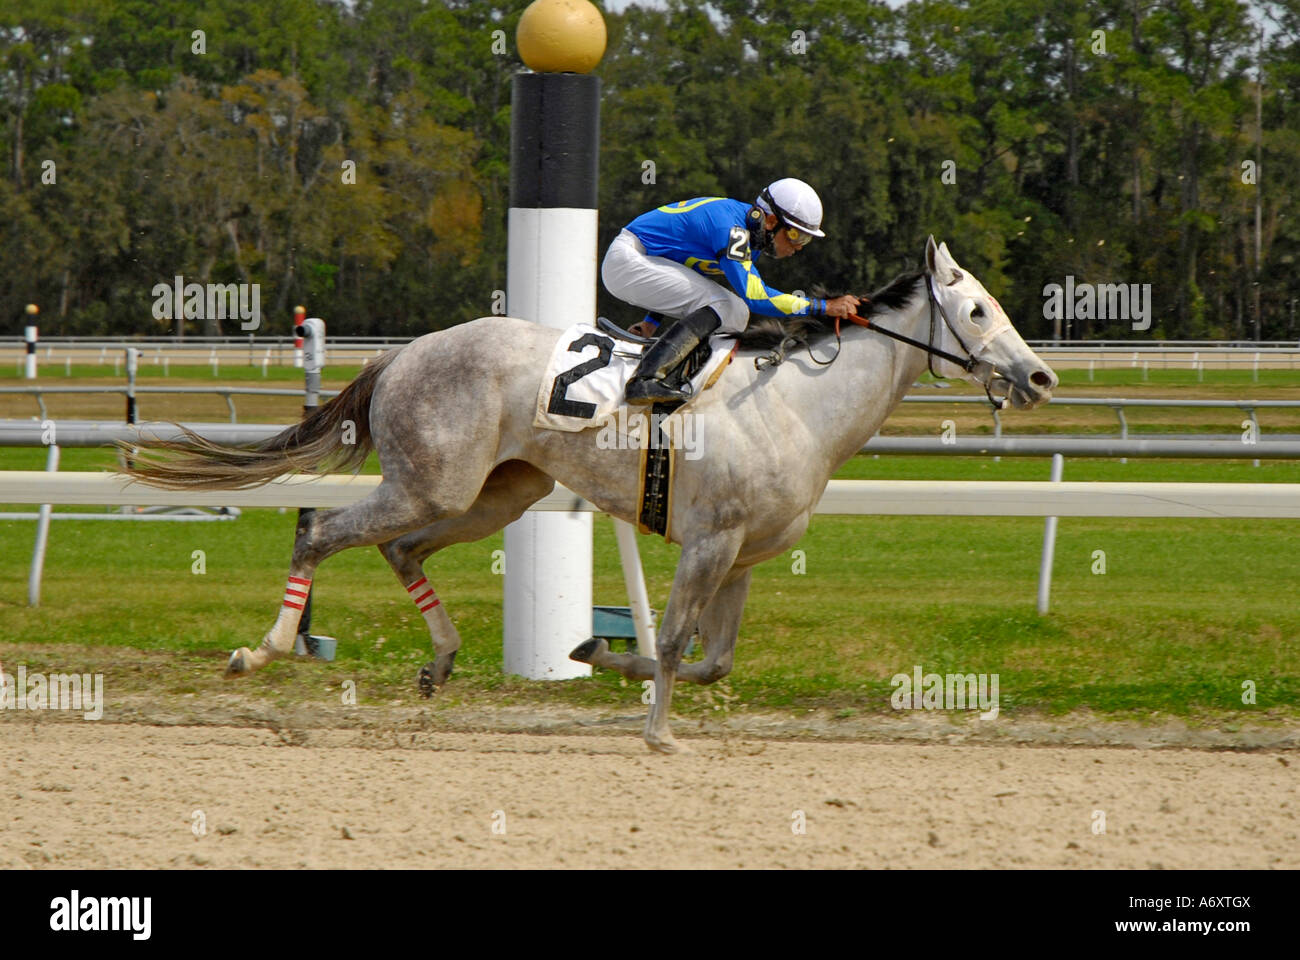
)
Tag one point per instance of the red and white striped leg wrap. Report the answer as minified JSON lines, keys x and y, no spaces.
{"x":423,"y":595}
{"x":295,"y":594}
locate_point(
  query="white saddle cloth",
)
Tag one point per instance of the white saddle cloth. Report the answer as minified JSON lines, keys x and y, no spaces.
{"x":584,"y":379}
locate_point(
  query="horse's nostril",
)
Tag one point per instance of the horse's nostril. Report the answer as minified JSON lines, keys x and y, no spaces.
{"x":1040,"y":378}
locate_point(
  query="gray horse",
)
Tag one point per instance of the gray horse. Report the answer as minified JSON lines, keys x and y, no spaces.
{"x":451,"y":418}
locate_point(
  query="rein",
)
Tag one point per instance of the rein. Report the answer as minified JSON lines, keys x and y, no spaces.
{"x":969,"y":363}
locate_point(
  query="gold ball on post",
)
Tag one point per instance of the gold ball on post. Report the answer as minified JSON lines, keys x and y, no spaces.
{"x":561,"y":36}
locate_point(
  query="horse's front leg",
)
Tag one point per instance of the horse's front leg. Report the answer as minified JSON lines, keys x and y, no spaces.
{"x":719,"y":627}
{"x":702,"y":569}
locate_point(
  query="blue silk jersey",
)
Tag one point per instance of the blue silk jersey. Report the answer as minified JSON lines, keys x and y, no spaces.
{"x":708,"y":235}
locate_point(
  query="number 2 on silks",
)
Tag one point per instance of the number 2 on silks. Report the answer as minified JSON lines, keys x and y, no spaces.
{"x":562,"y":405}
{"x":738,"y":244}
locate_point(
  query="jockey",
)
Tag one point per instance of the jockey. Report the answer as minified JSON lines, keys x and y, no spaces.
{"x":660,"y":261}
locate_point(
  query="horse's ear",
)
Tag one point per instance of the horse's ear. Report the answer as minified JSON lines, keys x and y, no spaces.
{"x":939,"y":262}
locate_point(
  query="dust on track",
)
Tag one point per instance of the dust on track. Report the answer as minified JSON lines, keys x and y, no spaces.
{"x":407,"y":788}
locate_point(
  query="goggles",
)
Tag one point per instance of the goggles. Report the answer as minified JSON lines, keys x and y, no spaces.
{"x":797,"y":236}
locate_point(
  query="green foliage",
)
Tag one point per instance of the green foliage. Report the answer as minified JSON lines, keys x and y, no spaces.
{"x":1093,"y":138}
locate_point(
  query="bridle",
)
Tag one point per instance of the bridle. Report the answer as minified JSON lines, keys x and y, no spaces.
{"x":970,"y":363}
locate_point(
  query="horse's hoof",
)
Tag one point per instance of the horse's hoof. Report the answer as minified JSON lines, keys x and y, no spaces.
{"x":435,"y":673}
{"x":586,"y":652}
{"x":667,"y":746}
{"x":237,"y":665}
{"x":442,"y":667}
{"x":425,"y":679}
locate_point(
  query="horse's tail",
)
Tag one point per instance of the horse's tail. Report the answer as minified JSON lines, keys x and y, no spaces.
{"x":316,"y":444}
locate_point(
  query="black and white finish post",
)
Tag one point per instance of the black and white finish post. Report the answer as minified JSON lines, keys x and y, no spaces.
{"x":132,"y":412}
{"x":30,"y":336}
{"x":132,"y":369}
{"x":551,"y":279}
{"x":311,"y":331}
{"x":299,"y":315}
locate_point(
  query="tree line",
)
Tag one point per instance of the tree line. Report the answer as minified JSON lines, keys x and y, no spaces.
{"x":354,"y":156}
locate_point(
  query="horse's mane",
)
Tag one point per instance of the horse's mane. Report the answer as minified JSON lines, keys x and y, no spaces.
{"x":770,"y":333}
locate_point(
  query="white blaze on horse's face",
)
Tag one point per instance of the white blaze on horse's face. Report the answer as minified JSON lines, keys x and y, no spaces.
{"x":977,"y":324}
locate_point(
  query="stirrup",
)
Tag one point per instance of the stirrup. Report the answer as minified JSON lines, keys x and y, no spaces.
{"x":647,"y":390}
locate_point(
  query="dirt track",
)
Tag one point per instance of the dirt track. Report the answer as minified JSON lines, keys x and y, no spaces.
{"x":86,"y":794}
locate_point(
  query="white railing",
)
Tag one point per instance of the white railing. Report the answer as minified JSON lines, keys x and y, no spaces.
{"x":278,"y":351}
{"x":949,"y":498}
{"x":39,"y":393}
{"x":1117,"y":404}
{"x":953,"y":498}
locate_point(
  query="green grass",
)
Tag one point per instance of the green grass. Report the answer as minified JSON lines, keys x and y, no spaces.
{"x":1116,"y":376}
{"x":92,"y":459}
{"x":54,"y":373}
{"x":874,"y":468}
{"x":237,"y":368}
{"x":1186,"y":611}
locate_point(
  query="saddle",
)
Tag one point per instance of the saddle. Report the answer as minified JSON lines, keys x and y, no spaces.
{"x":693,"y":364}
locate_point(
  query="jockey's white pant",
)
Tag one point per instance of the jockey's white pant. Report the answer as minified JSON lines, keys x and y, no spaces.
{"x":665,"y":286}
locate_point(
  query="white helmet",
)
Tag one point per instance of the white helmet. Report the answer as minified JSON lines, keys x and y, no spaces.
{"x":795,"y":203}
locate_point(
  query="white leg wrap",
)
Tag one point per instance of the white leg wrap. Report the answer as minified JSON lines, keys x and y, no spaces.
{"x":279,"y":641}
{"x":445,"y":637}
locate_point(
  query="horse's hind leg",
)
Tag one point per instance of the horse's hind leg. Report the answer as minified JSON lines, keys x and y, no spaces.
{"x":392,"y":510}
{"x":510,"y":489}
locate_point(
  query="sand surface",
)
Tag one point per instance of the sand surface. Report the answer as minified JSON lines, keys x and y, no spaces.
{"x":125,"y":794}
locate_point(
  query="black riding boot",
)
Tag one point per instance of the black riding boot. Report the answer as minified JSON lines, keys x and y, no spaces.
{"x":651,"y":383}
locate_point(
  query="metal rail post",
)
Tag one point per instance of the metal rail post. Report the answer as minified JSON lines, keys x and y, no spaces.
{"x":132,"y":416}
{"x":634,"y":581}
{"x":42,"y":536}
{"x":1254,"y":421}
{"x":312,"y":333}
{"x":1049,"y":544}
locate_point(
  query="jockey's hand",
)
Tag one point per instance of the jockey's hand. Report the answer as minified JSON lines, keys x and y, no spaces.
{"x":643,"y":328}
{"x":842,"y":306}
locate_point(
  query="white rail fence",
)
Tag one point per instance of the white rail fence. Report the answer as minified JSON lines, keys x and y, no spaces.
{"x":278,"y":351}
{"x":1117,"y":405}
{"x":842,"y":497}
{"x":94,"y":433}
{"x":933,"y":498}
